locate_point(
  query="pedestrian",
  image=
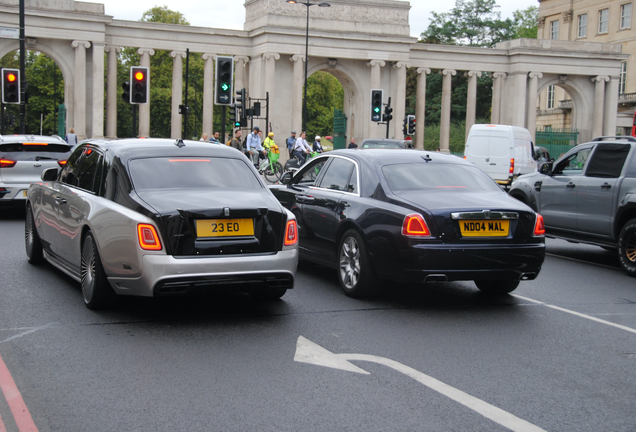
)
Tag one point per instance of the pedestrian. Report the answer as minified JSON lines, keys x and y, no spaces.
{"x":254,"y":146}
{"x":317,"y":147}
{"x":291,"y":142}
{"x":353,"y":144}
{"x":215,"y":138}
{"x":236,"y":141}
{"x":204,"y":137}
{"x":71,"y":138}
{"x":262,"y":154}
{"x":301,"y":148}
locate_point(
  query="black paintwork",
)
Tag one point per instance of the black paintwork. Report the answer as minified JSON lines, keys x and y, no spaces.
{"x":378,"y":214}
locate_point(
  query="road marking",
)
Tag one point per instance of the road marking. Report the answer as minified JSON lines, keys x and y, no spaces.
{"x":2,"y":427}
{"x":32,"y":330}
{"x":609,"y":323}
{"x":20,"y":412}
{"x":309,"y":352}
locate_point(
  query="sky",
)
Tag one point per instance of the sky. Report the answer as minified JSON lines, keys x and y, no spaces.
{"x":230,"y":14}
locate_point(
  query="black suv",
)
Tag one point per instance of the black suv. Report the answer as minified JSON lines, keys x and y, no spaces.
{"x":588,"y":196}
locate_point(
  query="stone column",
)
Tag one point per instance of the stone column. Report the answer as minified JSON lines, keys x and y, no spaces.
{"x":79,"y":111}
{"x":177,"y":93}
{"x":144,"y":109}
{"x":297,"y":93}
{"x":444,"y":133}
{"x":497,"y":78}
{"x":240,"y":80}
{"x":375,"y":130}
{"x":400,"y":99}
{"x":98,"y":91}
{"x":207,"y":123}
{"x":531,"y":110}
{"x":599,"y":104}
{"x":420,"y":107}
{"x":471,"y":99}
{"x":611,"y":106}
{"x":270,"y":83}
{"x":111,"y":92}
{"x":519,"y":97}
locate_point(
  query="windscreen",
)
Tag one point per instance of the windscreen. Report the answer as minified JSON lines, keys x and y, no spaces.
{"x":441,"y":177}
{"x":191,"y":173}
{"x":32,"y":151}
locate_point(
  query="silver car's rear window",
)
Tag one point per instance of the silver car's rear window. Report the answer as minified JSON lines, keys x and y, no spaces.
{"x":32,"y":151}
{"x":191,"y":172}
{"x":428,"y":176}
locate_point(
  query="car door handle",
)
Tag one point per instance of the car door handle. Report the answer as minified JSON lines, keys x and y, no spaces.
{"x":304,"y":198}
{"x":606,"y":185}
{"x":60,"y":201}
{"x":570,"y":185}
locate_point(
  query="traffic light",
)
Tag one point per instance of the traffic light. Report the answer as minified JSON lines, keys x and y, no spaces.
{"x":11,"y":86}
{"x":125,"y":96}
{"x":404,"y":125}
{"x":387,"y":113}
{"x":240,"y":99}
{"x":376,"y":105}
{"x":233,"y":117}
{"x":223,"y":81}
{"x":139,"y":86}
{"x":411,"y":125}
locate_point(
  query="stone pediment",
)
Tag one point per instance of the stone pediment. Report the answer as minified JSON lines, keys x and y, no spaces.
{"x":388,"y":17}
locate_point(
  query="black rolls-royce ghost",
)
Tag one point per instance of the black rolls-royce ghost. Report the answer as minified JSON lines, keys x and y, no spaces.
{"x":411,"y":216}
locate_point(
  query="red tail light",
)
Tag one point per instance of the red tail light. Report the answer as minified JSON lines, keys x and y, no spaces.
{"x":415,"y":226}
{"x":291,"y":233}
{"x":7,"y":163}
{"x":148,"y":238}
{"x":61,"y":163}
{"x":512,"y":166}
{"x":539,"y":227}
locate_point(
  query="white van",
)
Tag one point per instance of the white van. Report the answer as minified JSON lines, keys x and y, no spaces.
{"x":503,"y":152}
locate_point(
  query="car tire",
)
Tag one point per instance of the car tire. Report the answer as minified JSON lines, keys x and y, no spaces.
{"x":627,"y":247}
{"x":497,"y":286}
{"x":96,"y":290}
{"x":32,"y":239}
{"x":355,"y":272}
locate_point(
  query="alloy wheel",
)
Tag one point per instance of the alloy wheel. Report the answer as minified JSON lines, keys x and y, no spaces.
{"x":630,"y":247}
{"x":350,"y":263}
{"x":88,"y":269}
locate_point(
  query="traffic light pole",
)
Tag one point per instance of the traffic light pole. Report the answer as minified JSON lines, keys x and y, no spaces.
{"x":223,"y":111}
{"x":22,"y":70}
{"x":135,"y":133}
{"x":1,"y":119}
{"x":185,"y":116}
{"x":388,"y":121}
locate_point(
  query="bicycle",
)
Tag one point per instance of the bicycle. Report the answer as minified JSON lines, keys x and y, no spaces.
{"x":270,"y":168}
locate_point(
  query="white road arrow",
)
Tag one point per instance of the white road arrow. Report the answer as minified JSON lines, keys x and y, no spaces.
{"x":309,"y":352}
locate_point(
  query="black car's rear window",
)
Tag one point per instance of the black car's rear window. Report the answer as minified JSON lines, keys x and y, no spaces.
{"x":431,"y":176}
{"x":191,"y":173}
{"x":31,"y":151}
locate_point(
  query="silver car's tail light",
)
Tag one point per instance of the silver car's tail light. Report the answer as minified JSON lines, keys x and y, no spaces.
{"x":291,"y":233}
{"x":415,"y":226}
{"x":148,"y":237}
{"x":61,"y":163}
{"x":539,"y":226}
{"x":7,"y":163}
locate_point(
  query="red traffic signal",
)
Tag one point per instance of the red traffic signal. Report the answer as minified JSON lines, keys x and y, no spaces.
{"x":139,"y":85}
{"x":11,"y":86}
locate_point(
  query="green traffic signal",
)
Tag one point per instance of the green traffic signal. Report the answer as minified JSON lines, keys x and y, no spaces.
{"x":225,"y":87}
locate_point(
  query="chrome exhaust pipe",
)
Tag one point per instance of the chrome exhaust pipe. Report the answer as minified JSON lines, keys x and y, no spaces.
{"x":436,"y":278}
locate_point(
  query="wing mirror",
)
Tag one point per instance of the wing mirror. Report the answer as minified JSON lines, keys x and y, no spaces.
{"x":286,"y":178}
{"x":546,"y":168}
{"x":49,"y":174}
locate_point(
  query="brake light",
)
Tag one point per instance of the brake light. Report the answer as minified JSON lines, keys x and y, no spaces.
{"x":7,"y":163}
{"x":61,"y":163}
{"x":512,"y":166}
{"x":148,"y":238}
{"x":539,"y":226}
{"x":291,"y":233}
{"x":34,"y":144}
{"x":415,"y":226}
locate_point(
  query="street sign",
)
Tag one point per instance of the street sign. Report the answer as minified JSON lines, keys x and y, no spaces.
{"x":9,"y":33}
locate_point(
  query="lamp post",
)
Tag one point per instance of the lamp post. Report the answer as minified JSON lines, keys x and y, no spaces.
{"x":308,"y":4}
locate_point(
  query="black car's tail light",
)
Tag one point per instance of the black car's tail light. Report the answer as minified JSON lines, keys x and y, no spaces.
{"x":539,"y":226}
{"x":415,"y":226}
{"x":7,"y":163}
{"x":291,"y":233}
{"x":61,"y":163}
{"x":148,"y":238}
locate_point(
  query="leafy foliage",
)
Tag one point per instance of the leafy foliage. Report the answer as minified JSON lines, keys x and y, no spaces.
{"x":525,"y":23}
{"x":324,"y":93}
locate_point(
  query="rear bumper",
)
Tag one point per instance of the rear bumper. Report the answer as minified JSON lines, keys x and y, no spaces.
{"x":14,"y":193}
{"x":165,"y":274}
{"x":436,"y":263}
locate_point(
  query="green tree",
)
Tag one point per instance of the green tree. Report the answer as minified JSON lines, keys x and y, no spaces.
{"x":324,"y":93}
{"x":525,"y":23}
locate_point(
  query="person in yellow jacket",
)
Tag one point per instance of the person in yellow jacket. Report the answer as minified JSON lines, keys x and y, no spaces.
{"x":270,"y":145}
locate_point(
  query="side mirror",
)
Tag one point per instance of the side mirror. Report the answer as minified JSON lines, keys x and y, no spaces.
{"x":49,"y":174}
{"x":546,"y":168}
{"x":286,"y":178}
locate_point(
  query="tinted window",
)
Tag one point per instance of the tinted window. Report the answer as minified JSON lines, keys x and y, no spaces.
{"x":608,"y":160}
{"x":337,"y":175}
{"x":192,"y":173}
{"x":573,"y":164}
{"x":68,"y":174}
{"x":34,"y":151}
{"x":309,"y":174}
{"x":89,"y":166}
{"x":447,"y":177}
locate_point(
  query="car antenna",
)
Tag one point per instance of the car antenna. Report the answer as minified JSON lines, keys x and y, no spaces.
{"x":427,"y":158}
{"x":179,"y":143}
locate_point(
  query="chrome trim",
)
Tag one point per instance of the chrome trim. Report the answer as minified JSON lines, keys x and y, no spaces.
{"x":336,"y":190}
{"x":485,"y":214}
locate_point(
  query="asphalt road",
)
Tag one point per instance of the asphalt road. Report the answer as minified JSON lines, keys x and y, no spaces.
{"x":559,"y":354}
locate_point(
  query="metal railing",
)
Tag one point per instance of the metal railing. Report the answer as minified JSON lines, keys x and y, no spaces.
{"x":627,"y":98}
{"x":549,"y":136}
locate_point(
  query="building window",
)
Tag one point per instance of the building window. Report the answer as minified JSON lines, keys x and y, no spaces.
{"x":603,"y":21}
{"x":623,"y":78}
{"x":554,"y":30}
{"x":551,"y":96}
{"x":626,"y":16}
{"x":582,"y":26}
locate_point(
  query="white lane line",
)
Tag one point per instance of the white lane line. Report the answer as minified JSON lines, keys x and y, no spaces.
{"x":33,"y":330}
{"x":589,"y":317}
{"x":584,"y":262}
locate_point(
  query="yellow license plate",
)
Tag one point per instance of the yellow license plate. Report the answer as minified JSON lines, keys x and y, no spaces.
{"x":484,"y":228}
{"x":24,"y":193}
{"x":224,"y":227}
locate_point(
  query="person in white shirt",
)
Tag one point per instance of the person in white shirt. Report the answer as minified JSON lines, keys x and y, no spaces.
{"x":254,"y":146}
{"x":301,"y":148}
